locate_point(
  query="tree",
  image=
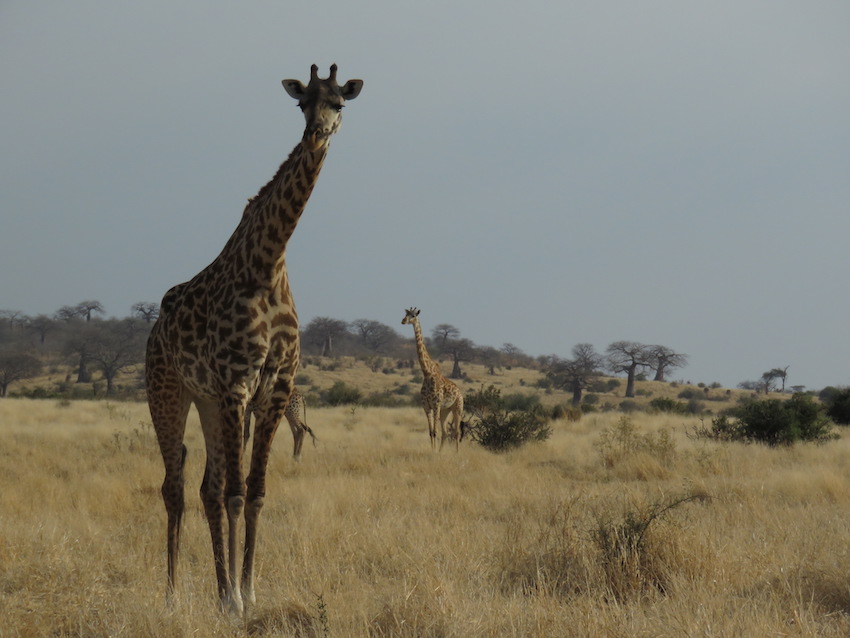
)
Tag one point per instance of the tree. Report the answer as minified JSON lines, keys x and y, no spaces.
{"x":116,"y":345}
{"x":323,"y":331}
{"x":512,"y":354}
{"x":662,"y":359}
{"x":77,"y":346}
{"x":146,"y":310}
{"x":15,"y":366}
{"x":491,"y":358}
{"x":67,"y":314}
{"x":41,"y":325}
{"x":778,"y":373}
{"x":628,"y":356}
{"x":460,"y":350}
{"x":576,"y":374}
{"x":87,"y":308}
{"x":443,"y":333}
{"x":15,"y":318}
{"x":374,"y":335}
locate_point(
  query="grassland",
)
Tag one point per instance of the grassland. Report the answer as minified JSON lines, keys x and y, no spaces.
{"x":382,"y":375}
{"x":374,"y":535}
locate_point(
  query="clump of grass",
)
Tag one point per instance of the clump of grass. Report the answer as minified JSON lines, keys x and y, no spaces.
{"x":631,"y":560}
{"x":623,"y":441}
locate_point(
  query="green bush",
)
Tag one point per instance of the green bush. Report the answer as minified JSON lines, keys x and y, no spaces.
{"x":838,"y":406}
{"x":691,"y":393}
{"x":497,"y":427}
{"x":629,"y":405}
{"x":340,"y":393}
{"x":386,"y":400}
{"x":521,"y":402}
{"x":773,"y":422}
{"x":664,"y":404}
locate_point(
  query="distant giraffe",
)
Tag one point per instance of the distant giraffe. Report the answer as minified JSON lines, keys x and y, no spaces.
{"x":296,"y":415}
{"x":228,"y":337}
{"x":439,"y":395}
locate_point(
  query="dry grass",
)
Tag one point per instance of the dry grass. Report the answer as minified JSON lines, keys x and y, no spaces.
{"x":374,"y":535}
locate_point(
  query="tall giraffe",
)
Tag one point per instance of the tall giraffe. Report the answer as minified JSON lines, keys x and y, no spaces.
{"x":439,"y":395}
{"x":228,"y":337}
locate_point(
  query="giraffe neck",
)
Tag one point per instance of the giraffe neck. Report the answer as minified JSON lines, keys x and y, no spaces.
{"x":426,"y":363}
{"x":258,"y":245}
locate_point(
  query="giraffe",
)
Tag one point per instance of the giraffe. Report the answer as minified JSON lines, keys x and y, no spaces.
{"x":439,"y":395}
{"x":229,"y":336}
{"x":296,"y":416}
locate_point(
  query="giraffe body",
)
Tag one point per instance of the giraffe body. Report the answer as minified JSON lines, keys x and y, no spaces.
{"x":229,"y":337}
{"x":296,"y":416}
{"x":440,"y":397}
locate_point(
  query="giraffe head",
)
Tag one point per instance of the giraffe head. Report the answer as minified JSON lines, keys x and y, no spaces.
{"x":410,"y":315}
{"x":321,"y":101}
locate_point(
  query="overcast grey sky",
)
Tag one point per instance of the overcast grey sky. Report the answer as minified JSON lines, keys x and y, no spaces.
{"x":541,"y":173}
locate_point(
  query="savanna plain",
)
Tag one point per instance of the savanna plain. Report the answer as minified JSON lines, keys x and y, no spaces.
{"x":618,"y":525}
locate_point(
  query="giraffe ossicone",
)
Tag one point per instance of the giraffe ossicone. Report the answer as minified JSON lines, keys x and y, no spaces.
{"x":229,"y":337}
{"x":439,"y":395}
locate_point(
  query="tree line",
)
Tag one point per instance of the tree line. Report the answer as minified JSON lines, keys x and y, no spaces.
{"x":80,"y":337}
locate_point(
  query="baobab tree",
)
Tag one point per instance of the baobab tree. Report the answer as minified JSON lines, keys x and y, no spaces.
{"x":628,"y":356}
{"x":576,"y":374}
{"x":661,"y":359}
{"x":145,"y":310}
{"x":323,"y":332}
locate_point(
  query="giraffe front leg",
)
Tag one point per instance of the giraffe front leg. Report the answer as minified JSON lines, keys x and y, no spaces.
{"x":223,"y":494}
{"x":432,"y":427}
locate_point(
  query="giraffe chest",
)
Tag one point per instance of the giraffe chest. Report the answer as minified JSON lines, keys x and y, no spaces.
{"x":235,"y":342}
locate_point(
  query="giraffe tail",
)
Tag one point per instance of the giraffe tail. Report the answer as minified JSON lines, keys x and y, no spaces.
{"x":307,"y":427}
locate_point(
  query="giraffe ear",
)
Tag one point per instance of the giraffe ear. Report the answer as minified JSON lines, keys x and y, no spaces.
{"x":351,"y":89}
{"x":294,"y":88}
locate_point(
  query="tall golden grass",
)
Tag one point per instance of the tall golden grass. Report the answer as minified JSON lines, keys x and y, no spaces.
{"x":614,"y":527}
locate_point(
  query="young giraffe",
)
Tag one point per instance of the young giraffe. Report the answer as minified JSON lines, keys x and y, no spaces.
{"x":228,"y":337}
{"x":439,"y":395}
{"x":296,"y":416}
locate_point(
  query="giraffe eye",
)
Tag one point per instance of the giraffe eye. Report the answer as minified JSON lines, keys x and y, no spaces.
{"x":337,"y":107}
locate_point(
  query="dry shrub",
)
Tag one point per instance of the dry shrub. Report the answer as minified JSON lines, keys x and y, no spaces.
{"x":633,"y":557}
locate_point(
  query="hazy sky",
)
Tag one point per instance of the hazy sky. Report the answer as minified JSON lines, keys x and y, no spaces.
{"x":541,"y":173}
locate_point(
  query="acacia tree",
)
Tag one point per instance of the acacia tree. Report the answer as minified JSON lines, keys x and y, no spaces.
{"x":512,"y":354}
{"x":375,"y":335}
{"x":662,"y":359}
{"x":115,"y":345}
{"x":628,"y":356}
{"x":41,"y":325}
{"x":443,"y":333}
{"x":576,"y":374}
{"x":15,"y":366}
{"x":778,"y":373}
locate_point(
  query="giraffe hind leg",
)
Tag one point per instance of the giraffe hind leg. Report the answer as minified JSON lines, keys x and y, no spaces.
{"x":169,"y":408}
